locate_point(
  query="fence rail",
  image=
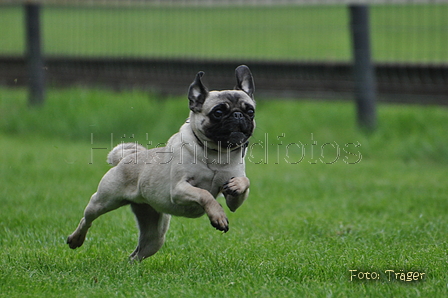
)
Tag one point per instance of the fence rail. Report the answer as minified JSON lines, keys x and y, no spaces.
{"x":215,"y":3}
{"x":410,"y":83}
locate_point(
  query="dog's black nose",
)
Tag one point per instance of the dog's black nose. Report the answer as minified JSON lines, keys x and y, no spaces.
{"x":238,"y":115}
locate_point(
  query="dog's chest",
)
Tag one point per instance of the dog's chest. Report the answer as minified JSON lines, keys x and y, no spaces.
{"x":211,"y":179}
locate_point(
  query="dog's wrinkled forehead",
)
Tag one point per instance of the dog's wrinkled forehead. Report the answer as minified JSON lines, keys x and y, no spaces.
{"x":234,"y":98}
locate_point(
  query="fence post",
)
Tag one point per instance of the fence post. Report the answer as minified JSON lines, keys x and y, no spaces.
{"x":363,"y":71}
{"x":36,"y":75}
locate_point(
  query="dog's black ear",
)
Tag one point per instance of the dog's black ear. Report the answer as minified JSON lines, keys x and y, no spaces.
{"x":197,"y":93}
{"x":244,"y":80}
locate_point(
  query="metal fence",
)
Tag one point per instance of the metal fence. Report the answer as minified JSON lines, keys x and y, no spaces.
{"x":295,"y":48}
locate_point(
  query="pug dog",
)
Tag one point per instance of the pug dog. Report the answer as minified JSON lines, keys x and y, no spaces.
{"x":204,"y":159}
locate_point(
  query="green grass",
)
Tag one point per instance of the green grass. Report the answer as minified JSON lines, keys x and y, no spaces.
{"x":302,"y":229}
{"x":409,"y":33}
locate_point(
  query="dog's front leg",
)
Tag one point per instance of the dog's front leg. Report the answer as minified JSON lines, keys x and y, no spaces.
{"x":186,"y":194}
{"x":236,"y":190}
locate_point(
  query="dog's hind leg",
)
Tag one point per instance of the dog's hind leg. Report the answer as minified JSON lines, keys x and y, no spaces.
{"x":98,"y":205}
{"x":153,"y":227}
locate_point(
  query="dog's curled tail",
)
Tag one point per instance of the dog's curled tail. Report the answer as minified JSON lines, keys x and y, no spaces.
{"x":122,"y":150}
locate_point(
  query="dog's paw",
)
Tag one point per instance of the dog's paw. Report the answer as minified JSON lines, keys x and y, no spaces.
{"x":235,"y":191}
{"x":220,"y":222}
{"x":216,"y":215}
{"x":75,"y":240}
{"x":235,"y":186}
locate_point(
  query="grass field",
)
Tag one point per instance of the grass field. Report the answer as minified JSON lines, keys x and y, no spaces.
{"x":409,"y":33}
{"x":380,"y":207}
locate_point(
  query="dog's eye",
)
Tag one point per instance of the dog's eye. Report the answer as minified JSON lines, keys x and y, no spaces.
{"x":218,"y":113}
{"x":251,"y":113}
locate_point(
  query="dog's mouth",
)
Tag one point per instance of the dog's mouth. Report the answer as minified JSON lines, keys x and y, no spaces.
{"x":232,"y":141}
{"x":236,"y":139}
{"x":232,"y":132}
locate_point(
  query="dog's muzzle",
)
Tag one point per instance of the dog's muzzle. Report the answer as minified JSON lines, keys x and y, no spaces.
{"x":237,"y":139}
